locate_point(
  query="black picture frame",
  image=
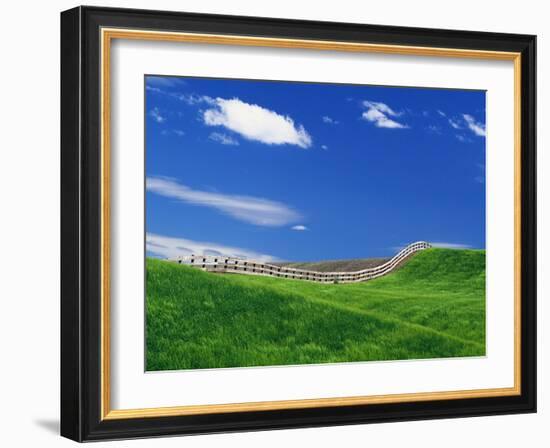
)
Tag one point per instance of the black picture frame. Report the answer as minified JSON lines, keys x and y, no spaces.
{"x":81,"y":224}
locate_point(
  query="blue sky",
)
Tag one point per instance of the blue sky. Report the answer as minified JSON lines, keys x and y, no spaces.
{"x":307,"y":171}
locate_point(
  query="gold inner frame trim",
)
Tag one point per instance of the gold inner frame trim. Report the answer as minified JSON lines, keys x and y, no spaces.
{"x":107,"y":35}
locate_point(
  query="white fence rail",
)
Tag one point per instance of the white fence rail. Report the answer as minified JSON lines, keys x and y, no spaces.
{"x":229,"y":265}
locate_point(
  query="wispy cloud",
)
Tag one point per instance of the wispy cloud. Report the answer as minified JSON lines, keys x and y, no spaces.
{"x":476,"y":127}
{"x":253,"y":210}
{"x":224,"y":139}
{"x":155,"y":114}
{"x":325,"y":147}
{"x":445,"y":245}
{"x":257,"y":123}
{"x":328,"y":120}
{"x":169,"y":247}
{"x":193,"y":99}
{"x":454,"y":123}
{"x":379,"y":113}
{"x":465,"y":121}
{"x":440,"y":112}
{"x":299,"y":228}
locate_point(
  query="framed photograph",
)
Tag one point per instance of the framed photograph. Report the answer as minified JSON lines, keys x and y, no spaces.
{"x":276,"y":224}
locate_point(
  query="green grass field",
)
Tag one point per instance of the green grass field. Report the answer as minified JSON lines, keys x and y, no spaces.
{"x":432,"y":307}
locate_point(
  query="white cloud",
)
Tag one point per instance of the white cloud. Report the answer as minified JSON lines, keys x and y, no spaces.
{"x":156,"y":115}
{"x":444,"y":245}
{"x":169,"y":247}
{"x":455,"y":124}
{"x":440,"y":112}
{"x":467,"y":121}
{"x":325,"y":147}
{"x":224,"y":139}
{"x":328,"y":120}
{"x":379,"y":113}
{"x":382,"y":107}
{"x":299,"y":228}
{"x":257,"y":123}
{"x":179,"y":132}
{"x":253,"y":210}
{"x":475,"y":126}
{"x":193,"y":99}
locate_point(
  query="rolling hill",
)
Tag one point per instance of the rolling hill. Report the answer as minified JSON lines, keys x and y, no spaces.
{"x":432,"y":307}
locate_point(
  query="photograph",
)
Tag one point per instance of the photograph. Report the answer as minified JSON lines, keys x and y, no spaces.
{"x":292,"y":223}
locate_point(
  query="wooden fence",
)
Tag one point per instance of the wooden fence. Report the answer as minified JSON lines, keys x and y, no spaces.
{"x":230,"y":265}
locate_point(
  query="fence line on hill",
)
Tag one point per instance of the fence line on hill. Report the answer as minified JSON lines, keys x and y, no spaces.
{"x":232,"y":265}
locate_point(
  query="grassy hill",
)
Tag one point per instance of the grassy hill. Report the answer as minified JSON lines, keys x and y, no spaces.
{"x":432,"y":307}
